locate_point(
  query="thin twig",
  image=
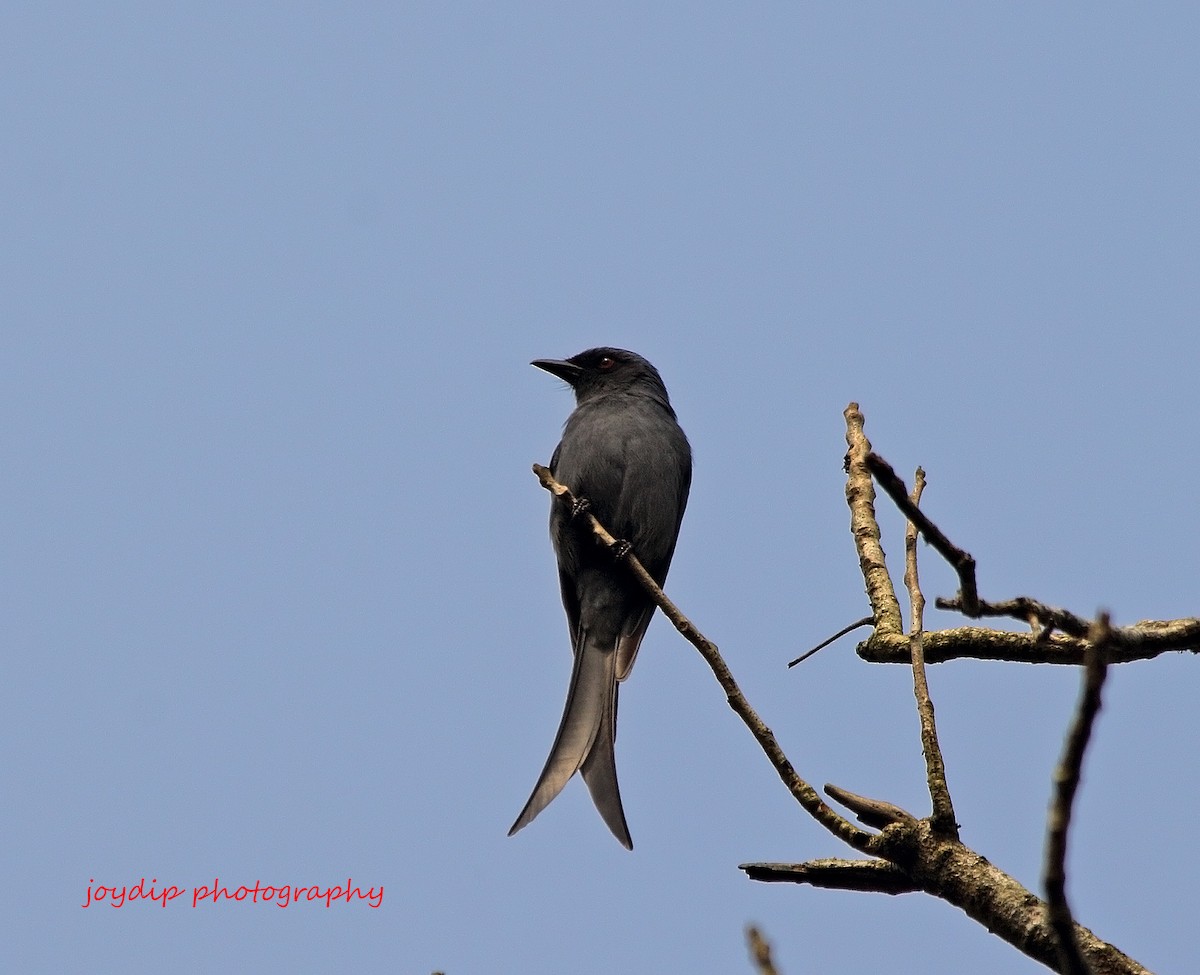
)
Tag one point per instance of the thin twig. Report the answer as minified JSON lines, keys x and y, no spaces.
{"x":804,"y":793}
{"x":1039,"y":615}
{"x":935,"y":767}
{"x":1066,"y":784}
{"x":961,"y":561}
{"x":865,"y":621}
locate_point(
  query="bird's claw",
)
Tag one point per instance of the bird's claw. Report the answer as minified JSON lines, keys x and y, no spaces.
{"x":621,"y":549}
{"x":580,"y":507}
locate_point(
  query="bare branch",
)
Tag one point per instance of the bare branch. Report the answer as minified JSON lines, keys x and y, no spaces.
{"x":760,"y":952}
{"x":1045,"y":645}
{"x":1038,"y":615}
{"x":860,"y":496}
{"x":1066,"y":783}
{"x":873,"y":812}
{"x":962,"y":562}
{"x":962,"y":878}
{"x":935,"y":766}
{"x":1141,"y":641}
{"x":804,"y":793}
{"x":868,"y":876}
{"x":919,"y":854}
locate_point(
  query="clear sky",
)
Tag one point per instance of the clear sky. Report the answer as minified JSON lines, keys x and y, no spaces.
{"x":278,"y":599}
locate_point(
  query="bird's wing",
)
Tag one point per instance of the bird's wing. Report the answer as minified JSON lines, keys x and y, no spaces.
{"x":570,"y":601}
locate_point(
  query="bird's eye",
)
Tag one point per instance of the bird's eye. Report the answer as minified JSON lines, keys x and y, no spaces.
{"x":606,"y":363}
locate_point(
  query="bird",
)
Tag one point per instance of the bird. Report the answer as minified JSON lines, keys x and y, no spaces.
{"x":624,"y":453}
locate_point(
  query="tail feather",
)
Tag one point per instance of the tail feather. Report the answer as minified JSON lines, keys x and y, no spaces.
{"x":600,"y":773}
{"x":589,"y":715}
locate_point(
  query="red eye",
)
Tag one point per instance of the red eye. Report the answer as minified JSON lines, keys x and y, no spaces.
{"x":606,"y":363}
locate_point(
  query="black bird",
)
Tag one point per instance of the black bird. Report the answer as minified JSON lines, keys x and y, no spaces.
{"x":623,"y":451}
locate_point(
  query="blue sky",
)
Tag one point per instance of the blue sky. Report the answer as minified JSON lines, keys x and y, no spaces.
{"x":279,"y":603}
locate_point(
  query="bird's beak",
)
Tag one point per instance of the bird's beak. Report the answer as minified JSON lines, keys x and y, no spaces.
{"x":567,"y":371}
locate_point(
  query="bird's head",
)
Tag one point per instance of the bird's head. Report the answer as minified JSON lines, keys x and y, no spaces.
{"x":607,"y":370}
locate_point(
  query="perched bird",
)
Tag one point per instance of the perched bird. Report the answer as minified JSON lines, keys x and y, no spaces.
{"x":623,"y":451}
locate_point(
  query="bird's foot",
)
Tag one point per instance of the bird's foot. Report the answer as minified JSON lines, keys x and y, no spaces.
{"x":580,"y":507}
{"x":621,"y":549}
